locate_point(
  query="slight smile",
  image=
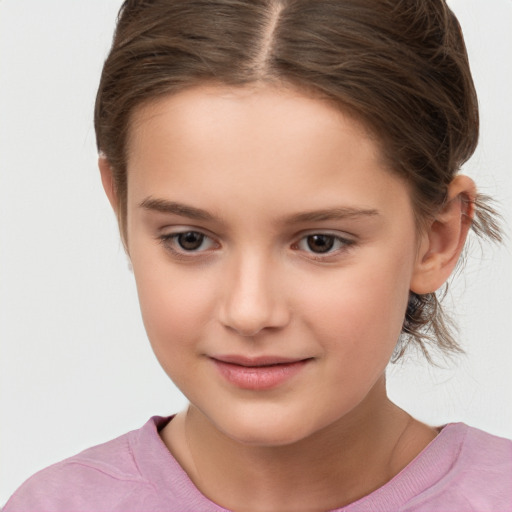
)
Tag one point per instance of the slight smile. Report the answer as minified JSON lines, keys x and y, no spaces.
{"x":259,"y":373}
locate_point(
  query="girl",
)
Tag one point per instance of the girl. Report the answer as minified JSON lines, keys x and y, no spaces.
{"x":285,"y":178}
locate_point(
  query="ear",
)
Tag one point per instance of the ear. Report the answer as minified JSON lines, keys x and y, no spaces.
{"x":107,"y":180}
{"x":443,"y":241}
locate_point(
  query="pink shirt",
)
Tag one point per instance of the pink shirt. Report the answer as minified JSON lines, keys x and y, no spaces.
{"x":462,"y":470}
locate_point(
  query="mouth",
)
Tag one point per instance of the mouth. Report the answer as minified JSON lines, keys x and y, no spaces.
{"x":259,"y":373}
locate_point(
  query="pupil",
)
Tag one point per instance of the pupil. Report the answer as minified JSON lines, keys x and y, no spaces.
{"x":191,"y":240}
{"x":320,"y":243}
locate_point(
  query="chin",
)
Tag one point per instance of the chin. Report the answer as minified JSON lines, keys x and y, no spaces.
{"x":267,"y":438}
{"x":268,"y":430}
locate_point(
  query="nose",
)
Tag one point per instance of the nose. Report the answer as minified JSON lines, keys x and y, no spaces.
{"x":254,"y":298}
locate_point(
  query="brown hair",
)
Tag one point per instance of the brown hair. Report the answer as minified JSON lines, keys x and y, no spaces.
{"x":399,"y":65}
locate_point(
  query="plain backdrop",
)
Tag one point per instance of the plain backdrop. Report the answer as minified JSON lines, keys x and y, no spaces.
{"x":76,"y":368}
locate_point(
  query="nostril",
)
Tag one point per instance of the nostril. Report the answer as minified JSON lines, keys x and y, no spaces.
{"x":246,"y":327}
{"x":249,"y":322}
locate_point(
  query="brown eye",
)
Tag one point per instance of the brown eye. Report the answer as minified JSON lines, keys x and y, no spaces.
{"x":190,"y":241}
{"x":323,"y":245}
{"x":320,"y":243}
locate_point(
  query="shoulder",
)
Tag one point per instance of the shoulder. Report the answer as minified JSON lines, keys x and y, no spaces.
{"x":462,"y":469}
{"x":480,"y":474}
{"x":104,"y":477}
{"x":483,"y":455}
{"x":487,"y":446}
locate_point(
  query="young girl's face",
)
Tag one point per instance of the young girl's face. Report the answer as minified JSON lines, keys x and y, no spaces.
{"x":273,"y":254}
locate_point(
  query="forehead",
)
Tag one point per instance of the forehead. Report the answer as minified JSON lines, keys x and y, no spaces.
{"x":257,"y":110}
{"x":261,"y":143}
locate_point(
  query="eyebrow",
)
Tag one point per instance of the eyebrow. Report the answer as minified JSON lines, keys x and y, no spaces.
{"x":164,"y":206}
{"x":191,"y":212}
{"x":330,"y":214}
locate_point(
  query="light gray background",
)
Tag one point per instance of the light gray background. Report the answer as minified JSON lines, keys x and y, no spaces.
{"x":75,"y":365}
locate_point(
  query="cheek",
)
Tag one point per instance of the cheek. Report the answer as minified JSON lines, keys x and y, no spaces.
{"x":359,"y":310}
{"x":175,"y":305}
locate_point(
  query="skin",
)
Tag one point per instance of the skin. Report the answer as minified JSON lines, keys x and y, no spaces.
{"x":253,"y":158}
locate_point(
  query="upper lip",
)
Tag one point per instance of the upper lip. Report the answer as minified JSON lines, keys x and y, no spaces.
{"x":256,"y":361}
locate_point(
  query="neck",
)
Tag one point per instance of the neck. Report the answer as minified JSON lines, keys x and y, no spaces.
{"x":331,"y":468}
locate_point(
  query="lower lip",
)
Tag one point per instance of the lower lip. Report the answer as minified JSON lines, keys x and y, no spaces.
{"x":259,"y":377}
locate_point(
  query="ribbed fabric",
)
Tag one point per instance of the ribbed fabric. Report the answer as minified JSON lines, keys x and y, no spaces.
{"x":462,"y":470}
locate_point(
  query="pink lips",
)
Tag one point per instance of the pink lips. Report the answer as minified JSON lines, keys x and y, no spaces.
{"x":258,"y":373}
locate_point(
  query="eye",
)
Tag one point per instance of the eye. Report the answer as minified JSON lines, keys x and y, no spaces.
{"x":320,"y":243}
{"x":323,"y":243}
{"x":187,"y":241}
{"x":190,"y":241}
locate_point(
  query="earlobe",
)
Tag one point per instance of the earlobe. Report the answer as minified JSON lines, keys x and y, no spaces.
{"x":444,"y":239}
{"x":107,"y":180}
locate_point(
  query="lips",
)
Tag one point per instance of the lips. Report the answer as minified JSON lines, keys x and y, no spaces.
{"x":259,"y":373}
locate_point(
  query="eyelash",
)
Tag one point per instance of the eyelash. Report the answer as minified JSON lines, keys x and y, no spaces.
{"x":343,"y":245}
{"x":170,"y":242}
